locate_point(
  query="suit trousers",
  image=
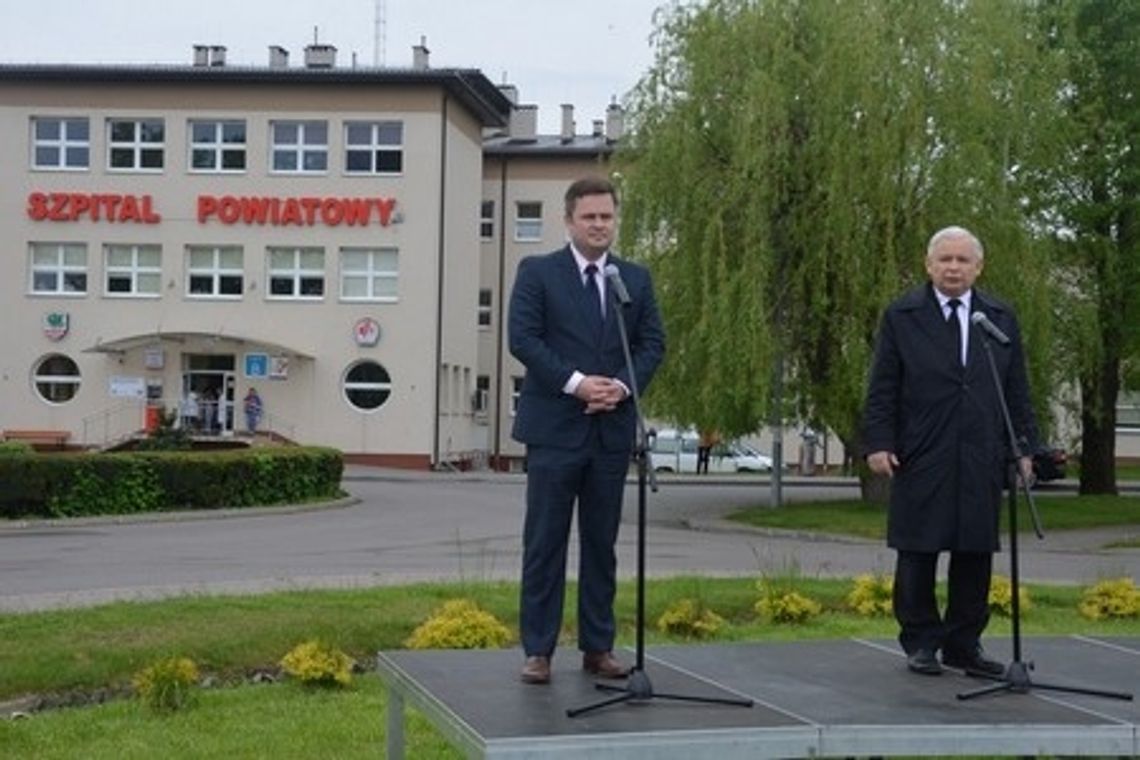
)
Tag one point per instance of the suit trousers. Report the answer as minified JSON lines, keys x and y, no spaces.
{"x":557,"y":478}
{"x":967,"y":607}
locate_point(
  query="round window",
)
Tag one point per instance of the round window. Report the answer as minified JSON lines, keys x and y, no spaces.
{"x":367,"y":385}
{"x":56,"y":379}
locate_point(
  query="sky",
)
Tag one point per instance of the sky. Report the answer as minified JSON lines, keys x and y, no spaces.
{"x":583,"y":52}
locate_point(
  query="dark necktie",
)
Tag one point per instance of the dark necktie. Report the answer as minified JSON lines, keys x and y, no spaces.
{"x":955,"y":327}
{"x":594,"y":295}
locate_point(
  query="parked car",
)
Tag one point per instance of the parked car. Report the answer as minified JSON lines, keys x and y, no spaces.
{"x":676,"y":451}
{"x":1049,"y":463}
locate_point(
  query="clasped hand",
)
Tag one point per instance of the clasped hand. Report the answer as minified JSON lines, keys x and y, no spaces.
{"x":601,"y":394}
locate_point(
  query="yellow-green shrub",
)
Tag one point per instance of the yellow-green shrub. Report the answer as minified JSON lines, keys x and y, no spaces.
{"x":1117,"y":598}
{"x":689,"y":618}
{"x":871,"y":596}
{"x":785,"y":605}
{"x":315,"y":663}
{"x":459,"y":624}
{"x":167,"y":685}
{"x":1001,"y":597}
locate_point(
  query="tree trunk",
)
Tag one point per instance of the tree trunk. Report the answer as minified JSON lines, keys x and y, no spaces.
{"x":1098,"y":429}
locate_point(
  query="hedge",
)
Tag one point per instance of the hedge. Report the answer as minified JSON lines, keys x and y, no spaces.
{"x":58,"y":485}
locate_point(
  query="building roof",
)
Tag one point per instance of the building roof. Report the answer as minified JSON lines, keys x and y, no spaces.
{"x":477,"y":93}
{"x":548,"y":145}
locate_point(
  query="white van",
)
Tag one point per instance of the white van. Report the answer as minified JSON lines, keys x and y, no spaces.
{"x":676,"y":451}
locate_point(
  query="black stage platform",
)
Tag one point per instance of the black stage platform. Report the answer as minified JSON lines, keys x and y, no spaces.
{"x":851,"y":698}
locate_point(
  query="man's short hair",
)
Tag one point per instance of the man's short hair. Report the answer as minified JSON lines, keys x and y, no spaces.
{"x":954,"y":231}
{"x":588,"y":186}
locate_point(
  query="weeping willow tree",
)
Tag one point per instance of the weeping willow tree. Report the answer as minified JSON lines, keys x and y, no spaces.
{"x":788,"y":162}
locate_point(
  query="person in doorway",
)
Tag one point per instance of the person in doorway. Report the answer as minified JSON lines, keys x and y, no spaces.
{"x":578,"y":422}
{"x":932,"y":423}
{"x":189,"y":411}
{"x":251,"y":405}
{"x":209,"y":410}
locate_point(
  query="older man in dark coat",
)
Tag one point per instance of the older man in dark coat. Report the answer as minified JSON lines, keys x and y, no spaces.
{"x":933,"y":423}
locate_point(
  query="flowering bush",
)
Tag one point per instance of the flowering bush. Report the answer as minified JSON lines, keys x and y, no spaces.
{"x":1117,"y":598}
{"x":785,"y":605}
{"x":167,"y":684}
{"x":872,"y":594}
{"x":459,"y":624}
{"x":689,"y":618}
{"x":314,"y":663}
{"x":1001,"y":597}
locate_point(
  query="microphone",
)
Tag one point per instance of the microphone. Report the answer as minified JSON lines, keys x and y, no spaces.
{"x":620,"y":292}
{"x":980,"y":319}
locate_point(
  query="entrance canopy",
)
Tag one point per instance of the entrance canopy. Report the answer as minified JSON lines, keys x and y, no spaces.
{"x":120,"y":346}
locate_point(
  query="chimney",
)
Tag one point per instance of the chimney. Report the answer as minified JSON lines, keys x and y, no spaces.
{"x":567,"y":123}
{"x":201,"y":55}
{"x":615,"y":122}
{"x":524,"y":123}
{"x":217,"y":55}
{"x":511,"y":92}
{"x":599,"y":129}
{"x":420,"y":55}
{"x":278,"y":57}
{"x":320,"y":56}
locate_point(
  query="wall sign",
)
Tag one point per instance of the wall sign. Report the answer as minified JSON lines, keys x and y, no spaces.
{"x":56,"y":324}
{"x":366,"y":332}
{"x":278,"y":367}
{"x":257,"y":365}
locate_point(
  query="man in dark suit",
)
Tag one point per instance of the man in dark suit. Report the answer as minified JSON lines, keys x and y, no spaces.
{"x":933,"y":424}
{"x":578,"y":422}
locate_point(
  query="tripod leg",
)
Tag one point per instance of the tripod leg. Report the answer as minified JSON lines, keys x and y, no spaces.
{"x":574,"y":712}
{"x":1083,"y":690}
{"x":708,"y":700}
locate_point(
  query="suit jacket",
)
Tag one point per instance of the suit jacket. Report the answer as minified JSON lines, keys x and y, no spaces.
{"x":944,"y":423}
{"x":551,"y":333}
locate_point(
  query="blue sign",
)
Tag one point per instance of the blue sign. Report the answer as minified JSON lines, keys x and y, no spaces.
{"x":257,"y":365}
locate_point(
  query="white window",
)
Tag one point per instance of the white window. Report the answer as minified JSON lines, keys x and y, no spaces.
{"x":61,"y":143}
{"x":528,"y":221}
{"x":487,"y":220}
{"x":1128,"y":411}
{"x":56,"y":379}
{"x":217,"y":146}
{"x":58,"y":268}
{"x":367,"y":385}
{"x":134,"y":270}
{"x":480,"y":401}
{"x":297,"y":273}
{"x":374,"y":147}
{"x":300,"y":147}
{"x":516,"y":391}
{"x":485,"y":297}
{"x":214,"y":272}
{"x":369,"y":274}
{"x":135,"y":144}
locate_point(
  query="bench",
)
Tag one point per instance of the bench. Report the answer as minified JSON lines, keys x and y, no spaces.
{"x":56,"y":439}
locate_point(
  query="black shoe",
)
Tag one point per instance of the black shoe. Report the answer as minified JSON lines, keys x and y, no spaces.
{"x":974,"y":661}
{"x":923,"y":661}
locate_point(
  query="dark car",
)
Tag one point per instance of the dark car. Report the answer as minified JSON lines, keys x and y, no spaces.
{"x":1049,"y":463}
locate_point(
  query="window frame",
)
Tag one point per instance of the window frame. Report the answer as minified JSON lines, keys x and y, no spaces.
{"x":487,"y":220}
{"x":300,"y":148}
{"x":59,"y":268}
{"x":63,"y":144}
{"x":131,"y":271}
{"x":371,"y":273}
{"x":218,"y":147}
{"x":382,"y":386}
{"x":374,"y":147}
{"x":295,"y":274}
{"x":137,"y":145}
{"x":216,"y":272}
{"x":69,"y":381}
{"x":528,"y":229}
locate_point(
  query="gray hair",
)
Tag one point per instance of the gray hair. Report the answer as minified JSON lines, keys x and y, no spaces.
{"x":954,"y":231}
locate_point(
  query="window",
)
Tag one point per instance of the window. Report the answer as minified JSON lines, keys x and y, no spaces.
{"x":487,"y":220}
{"x":297,"y":273}
{"x":528,"y":222}
{"x":485,"y":307}
{"x":374,"y":147}
{"x":368,"y":274}
{"x":134,"y":270}
{"x":516,"y":391}
{"x":56,"y":379}
{"x":61,"y":143}
{"x":214,"y":271}
{"x":367,"y":385}
{"x":300,"y":147}
{"x":135,"y":144}
{"x":59,"y":268}
{"x":481,"y":400}
{"x":217,"y":146}
{"x":1128,"y":411}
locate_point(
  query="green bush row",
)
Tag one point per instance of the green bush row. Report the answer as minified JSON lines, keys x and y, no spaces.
{"x":52,"y":485}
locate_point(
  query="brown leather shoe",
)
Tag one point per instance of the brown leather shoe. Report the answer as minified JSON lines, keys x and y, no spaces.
{"x":603,"y":664}
{"x":536,"y":670}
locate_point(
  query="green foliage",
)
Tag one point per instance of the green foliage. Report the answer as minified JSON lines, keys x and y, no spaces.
{"x":689,"y":618}
{"x":1001,"y":597}
{"x":167,"y":685}
{"x":459,"y":624}
{"x":1119,"y":598}
{"x":315,"y":663}
{"x":15,"y":447}
{"x":871,"y":595}
{"x":107,"y":487}
{"x":168,"y":436}
{"x":781,"y":602}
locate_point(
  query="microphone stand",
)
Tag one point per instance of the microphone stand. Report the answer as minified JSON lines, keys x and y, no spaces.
{"x":639,"y":688}
{"x":1016,"y":678}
